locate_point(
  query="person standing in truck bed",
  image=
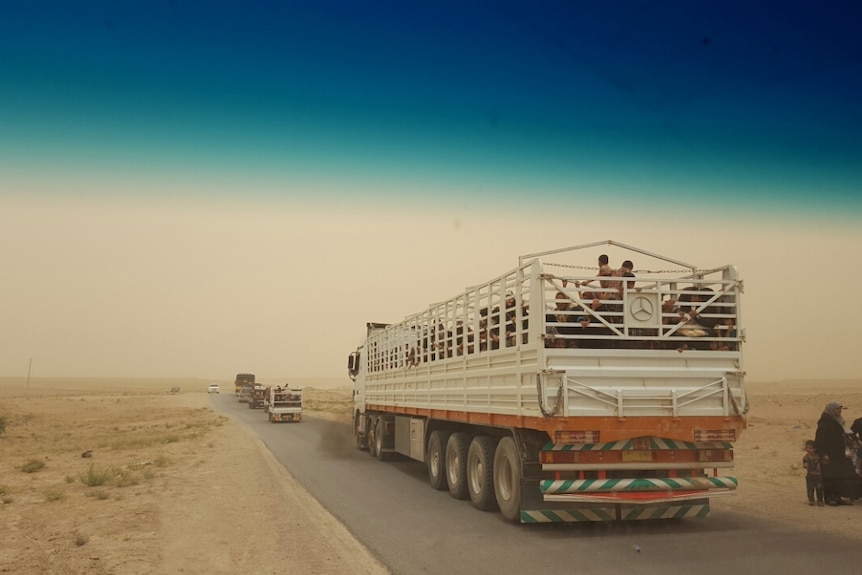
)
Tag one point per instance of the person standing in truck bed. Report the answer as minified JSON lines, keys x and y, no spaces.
{"x":605,"y":270}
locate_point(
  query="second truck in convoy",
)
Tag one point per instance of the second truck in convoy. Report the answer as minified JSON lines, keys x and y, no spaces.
{"x":283,"y":404}
{"x":556,"y":395}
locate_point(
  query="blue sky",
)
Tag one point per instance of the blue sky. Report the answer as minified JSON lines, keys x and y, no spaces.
{"x":730,"y":117}
{"x":564,"y":97}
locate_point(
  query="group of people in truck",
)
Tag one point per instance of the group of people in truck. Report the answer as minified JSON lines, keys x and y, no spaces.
{"x":576,"y":322}
{"x":497,"y":328}
{"x":569,"y":325}
{"x":582,"y":319}
{"x":698,"y":326}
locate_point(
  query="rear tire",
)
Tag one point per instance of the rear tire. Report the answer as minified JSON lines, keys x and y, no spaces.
{"x":480,"y":472}
{"x":456,"y":464}
{"x":370,"y":437}
{"x":358,"y":437}
{"x":378,"y":442}
{"x":436,"y":459}
{"x":507,"y":479}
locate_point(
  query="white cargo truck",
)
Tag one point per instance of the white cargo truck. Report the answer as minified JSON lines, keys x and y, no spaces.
{"x":283,"y":404}
{"x":566,"y":390}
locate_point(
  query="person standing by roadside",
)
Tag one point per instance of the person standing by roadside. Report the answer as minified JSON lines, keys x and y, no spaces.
{"x":856,"y":428}
{"x":831,"y":442}
{"x":813,"y":474}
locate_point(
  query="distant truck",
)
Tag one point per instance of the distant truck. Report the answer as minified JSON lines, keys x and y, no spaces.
{"x":555,"y":395}
{"x":283,"y":404}
{"x":242,"y":380}
{"x":257,"y":396}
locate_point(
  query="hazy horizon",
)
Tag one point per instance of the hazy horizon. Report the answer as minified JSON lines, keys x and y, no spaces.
{"x":243,"y":188}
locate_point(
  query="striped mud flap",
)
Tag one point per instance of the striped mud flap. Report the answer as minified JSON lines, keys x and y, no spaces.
{"x":618,"y":512}
{"x":636,"y":488}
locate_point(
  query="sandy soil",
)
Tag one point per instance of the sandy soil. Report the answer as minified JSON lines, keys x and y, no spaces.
{"x":185,"y":489}
{"x":769,"y":454}
{"x":171,"y":486}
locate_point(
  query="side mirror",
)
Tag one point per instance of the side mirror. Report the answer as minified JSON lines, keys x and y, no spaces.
{"x":353,"y":364}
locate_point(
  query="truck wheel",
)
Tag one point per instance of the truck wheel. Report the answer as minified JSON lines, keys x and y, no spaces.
{"x":378,"y":441}
{"x":370,"y":436}
{"x":480,"y":472}
{"x":358,"y":437}
{"x":437,"y":459}
{"x":456,"y":464}
{"x":507,"y":479}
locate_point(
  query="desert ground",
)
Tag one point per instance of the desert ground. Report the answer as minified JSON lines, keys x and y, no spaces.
{"x":171,"y":486}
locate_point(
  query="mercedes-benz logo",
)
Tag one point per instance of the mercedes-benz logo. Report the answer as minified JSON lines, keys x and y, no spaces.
{"x":642,"y":308}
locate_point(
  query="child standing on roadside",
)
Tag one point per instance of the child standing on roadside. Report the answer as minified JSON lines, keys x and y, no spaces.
{"x":813,"y":475}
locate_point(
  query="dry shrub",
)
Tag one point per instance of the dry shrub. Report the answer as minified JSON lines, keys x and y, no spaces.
{"x":33,"y":466}
{"x":100,"y":494}
{"x":109,"y":476}
{"x":54,"y":495}
{"x":80,"y":538}
{"x":123,"y":478}
{"x":95,"y":478}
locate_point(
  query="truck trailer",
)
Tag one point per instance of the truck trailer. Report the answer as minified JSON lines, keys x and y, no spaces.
{"x":242,"y":380}
{"x":564,"y":390}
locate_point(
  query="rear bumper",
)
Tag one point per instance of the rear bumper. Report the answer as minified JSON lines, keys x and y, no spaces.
{"x":617,"y":512}
{"x":286,"y":416}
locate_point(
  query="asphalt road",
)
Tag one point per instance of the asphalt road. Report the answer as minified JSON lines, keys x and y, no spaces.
{"x":414,"y":529}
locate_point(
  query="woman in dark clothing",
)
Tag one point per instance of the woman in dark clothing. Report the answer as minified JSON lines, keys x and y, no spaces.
{"x":831,"y":443}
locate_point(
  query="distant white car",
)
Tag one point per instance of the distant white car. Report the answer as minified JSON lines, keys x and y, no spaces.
{"x":213,"y":388}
